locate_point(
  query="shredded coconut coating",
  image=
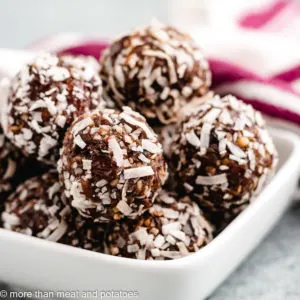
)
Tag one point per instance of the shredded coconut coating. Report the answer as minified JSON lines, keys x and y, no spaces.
{"x":36,"y":208}
{"x":172,"y":228}
{"x":85,"y":234}
{"x":45,"y":97}
{"x":111,"y":165}
{"x":223,"y":154}
{"x":155,"y":70}
{"x":10,"y":160}
{"x":14,"y":167}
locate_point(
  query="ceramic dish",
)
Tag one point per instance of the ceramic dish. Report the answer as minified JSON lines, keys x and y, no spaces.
{"x":41,"y":265}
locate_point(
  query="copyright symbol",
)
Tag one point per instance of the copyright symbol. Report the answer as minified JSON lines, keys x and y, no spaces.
{"x":3,"y":294}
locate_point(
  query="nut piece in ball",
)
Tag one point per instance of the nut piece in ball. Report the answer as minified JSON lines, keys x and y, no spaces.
{"x":155,"y":70}
{"x":45,"y":97}
{"x":171,"y":229}
{"x":223,"y":154}
{"x":111,"y":165}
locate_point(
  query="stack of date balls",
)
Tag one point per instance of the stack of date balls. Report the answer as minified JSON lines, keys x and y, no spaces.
{"x":131,"y":155}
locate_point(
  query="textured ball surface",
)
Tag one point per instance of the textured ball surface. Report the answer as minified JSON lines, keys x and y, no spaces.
{"x":45,"y":97}
{"x":155,"y":70}
{"x":36,"y":208}
{"x":111,"y":165}
{"x":85,"y":234}
{"x":14,"y":167}
{"x":223,"y":154}
{"x":172,"y":228}
{"x":10,"y":160}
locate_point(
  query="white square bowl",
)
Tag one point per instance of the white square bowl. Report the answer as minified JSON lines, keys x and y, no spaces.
{"x":41,"y":265}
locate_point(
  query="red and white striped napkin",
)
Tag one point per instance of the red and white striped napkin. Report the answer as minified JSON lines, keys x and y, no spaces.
{"x":257,"y":59}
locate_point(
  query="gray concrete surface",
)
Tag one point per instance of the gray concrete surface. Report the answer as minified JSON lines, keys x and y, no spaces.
{"x":272,"y":272}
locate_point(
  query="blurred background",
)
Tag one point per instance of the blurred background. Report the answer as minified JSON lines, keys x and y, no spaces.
{"x":23,"y":22}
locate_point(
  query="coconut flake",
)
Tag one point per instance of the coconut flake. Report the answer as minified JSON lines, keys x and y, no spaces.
{"x":144,"y":159}
{"x":155,"y":252}
{"x":170,"y":213}
{"x":171,"y":66}
{"x":171,"y":254}
{"x":178,"y":234}
{"x":132,"y":248}
{"x":193,"y":139}
{"x":141,"y":235}
{"x":182,"y":248}
{"x":235,"y":150}
{"x":79,"y":141}
{"x":53,"y":189}
{"x":116,"y":150}
{"x":212,"y":115}
{"x":141,"y":254}
{"x":11,"y":169}
{"x":61,"y":121}
{"x":188,"y":187}
{"x":167,"y":228}
{"x":212,"y":180}
{"x":46,"y":143}
{"x":138,"y":172}
{"x":159,"y":241}
{"x":129,"y":119}
{"x":222,"y":146}
{"x":58,"y":233}
{"x":79,"y":126}
{"x":225,"y":117}
{"x":205,"y":135}
{"x":10,"y":220}
{"x":170,"y":240}
{"x":124,"y":208}
{"x":150,"y":146}
{"x":38,"y":104}
{"x":87,"y":164}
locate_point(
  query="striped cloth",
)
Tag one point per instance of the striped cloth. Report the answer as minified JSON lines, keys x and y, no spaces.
{"x":258,"y":59}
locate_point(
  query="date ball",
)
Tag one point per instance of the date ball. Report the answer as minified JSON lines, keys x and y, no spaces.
{"x":111,"y":165}
{"x":10,"y":159}
{"x":45,"y":97}
{"x":155,"y":70}
{"x":36,"y":208}
{"x":14,"y":167}
{"x":83,"y":233}
{"x":172,"y":228}
{"x":224,"y":154}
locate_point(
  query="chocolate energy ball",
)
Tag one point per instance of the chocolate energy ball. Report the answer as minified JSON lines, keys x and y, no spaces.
{"x":37,"y":208}
{"x":224,"y":154}
{"x":84,"y":233}
{"x":111,"y":165}
{"x":172,"y":228}
{"x":10,"y":159}
{"x":155,"y":70}
{"x":45,"y":97}
{"x":14,"y":167}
